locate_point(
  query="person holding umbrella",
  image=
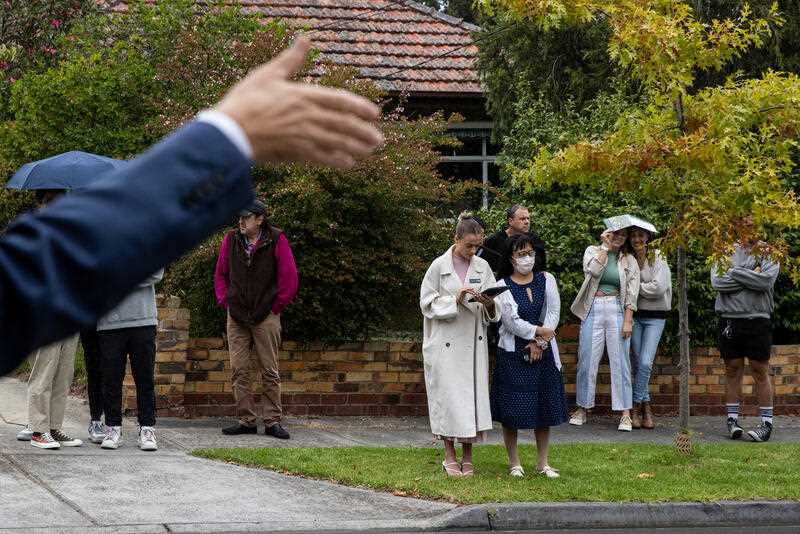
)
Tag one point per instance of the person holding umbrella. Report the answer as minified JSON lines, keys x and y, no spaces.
{"x":605,"y":304}
{"x":51,"y":376}
{"x":53,"y":365}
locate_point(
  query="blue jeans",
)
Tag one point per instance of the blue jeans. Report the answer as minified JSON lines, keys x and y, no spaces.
{"x":644,"y":342}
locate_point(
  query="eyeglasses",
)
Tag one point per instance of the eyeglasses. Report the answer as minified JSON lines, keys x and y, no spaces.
{"x":529,"y":254}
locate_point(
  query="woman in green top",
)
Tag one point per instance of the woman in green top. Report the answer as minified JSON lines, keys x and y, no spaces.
{"x":605,"y":306}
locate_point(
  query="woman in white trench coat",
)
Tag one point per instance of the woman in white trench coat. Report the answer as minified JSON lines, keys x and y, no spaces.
{"x":454,"y":347}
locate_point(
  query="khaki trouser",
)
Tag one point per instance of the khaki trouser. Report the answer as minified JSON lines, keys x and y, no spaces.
{"x":256,"y":346}
{"x":51,"y":376}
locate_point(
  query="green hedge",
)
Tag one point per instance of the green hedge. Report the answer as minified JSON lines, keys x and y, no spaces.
{"x":362,"y":240}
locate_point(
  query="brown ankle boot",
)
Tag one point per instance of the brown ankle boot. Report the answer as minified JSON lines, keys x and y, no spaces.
{"x":636,"y":416}
{"x":647,"y":417}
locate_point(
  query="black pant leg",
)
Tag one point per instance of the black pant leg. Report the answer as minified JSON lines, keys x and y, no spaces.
{"x":143,"y":360}
{"x":114,"y":355}
{"x":94,"y":372}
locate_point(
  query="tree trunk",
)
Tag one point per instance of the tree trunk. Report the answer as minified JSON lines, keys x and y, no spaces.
{"x":683,"y":335}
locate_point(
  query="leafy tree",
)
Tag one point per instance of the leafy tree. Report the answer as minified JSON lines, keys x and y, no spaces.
{"x":710,"y":157}
{"x":29,"y":42}
{"x":570,"y":89}
{"x":29,"y":32}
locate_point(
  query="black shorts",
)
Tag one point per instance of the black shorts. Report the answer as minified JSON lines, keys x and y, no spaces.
{"x":745,"y":338}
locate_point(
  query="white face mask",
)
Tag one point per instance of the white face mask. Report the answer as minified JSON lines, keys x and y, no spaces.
{"x":524,"y":265}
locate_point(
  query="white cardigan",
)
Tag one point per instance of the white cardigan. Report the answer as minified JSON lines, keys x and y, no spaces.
{"x":512,"y":325}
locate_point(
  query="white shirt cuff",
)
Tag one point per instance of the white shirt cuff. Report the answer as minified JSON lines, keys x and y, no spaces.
{"x":229,"y":128}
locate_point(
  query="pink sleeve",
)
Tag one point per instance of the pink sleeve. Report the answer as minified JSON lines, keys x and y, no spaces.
{"x":221,"y":274}
{"x":287,"y":275}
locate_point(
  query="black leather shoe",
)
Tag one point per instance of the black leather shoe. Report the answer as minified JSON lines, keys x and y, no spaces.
{"x":276,"y":431}
{"x":239,"y":428}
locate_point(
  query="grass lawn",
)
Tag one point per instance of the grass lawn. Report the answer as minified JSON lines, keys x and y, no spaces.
{"x":589,"y":472}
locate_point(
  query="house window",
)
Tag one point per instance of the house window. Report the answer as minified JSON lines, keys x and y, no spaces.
{"x":475,"y":159}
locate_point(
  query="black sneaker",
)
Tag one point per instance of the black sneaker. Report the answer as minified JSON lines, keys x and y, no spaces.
{"x":239,"y":428}
{"x":734,"y":429}
{"x":761,"y":433}
{"x":276,"y":431}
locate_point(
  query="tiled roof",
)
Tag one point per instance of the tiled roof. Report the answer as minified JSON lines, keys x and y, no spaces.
{"x":399,"y":44}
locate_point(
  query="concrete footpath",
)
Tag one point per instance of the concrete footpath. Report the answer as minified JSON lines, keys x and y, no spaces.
{"x":86,"y":489}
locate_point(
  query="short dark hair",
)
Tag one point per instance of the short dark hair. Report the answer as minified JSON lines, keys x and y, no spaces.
{"x":512,"y":210}
{"x":515,"y":243}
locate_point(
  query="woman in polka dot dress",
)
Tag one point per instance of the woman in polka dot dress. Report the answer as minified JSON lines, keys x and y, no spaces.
{"x":527,"y":388}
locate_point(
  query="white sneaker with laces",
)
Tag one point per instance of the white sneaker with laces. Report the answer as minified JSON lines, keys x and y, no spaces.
{"x":578,"y":417}
{"x":44,"y":441}
{"x":625,"y":424}
{"x":113,"y":437}
{"x":97,"y":432}
{"x":25,"y":434}
{"x":147,"y":438}
{"x":516,"y":471}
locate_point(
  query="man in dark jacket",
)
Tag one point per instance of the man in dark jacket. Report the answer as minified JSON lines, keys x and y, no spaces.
{"x":518,"y":220}
{"x":255,"y":279}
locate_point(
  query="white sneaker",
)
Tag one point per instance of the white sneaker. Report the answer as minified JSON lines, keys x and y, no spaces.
{"x":578,"y":417}
{"x":625,"y":423}
{"x":44,"y":441}
{"x":147,"y":438}
{"x":549,"y":472}
{"x":97,"y":431}
{"x":25,"y":434}
{"x":65,"y":439}
{"x":113,"y":437}
{"x":516,"y":471}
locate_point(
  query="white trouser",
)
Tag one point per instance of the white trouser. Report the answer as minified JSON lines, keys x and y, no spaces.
{"x":603,"y":328}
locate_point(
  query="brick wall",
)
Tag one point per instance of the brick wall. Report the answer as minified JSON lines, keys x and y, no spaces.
{"x":386,"y":378}
{"x":373,"y":378}
{"x":706,"y":382}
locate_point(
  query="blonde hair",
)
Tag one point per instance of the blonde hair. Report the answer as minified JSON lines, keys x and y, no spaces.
{"x":467,"y":224}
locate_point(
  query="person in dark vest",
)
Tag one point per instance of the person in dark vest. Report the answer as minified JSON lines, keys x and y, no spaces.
{"x":255,"y":280}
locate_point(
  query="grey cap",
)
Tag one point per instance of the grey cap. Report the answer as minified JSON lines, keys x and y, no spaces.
{"x":256,"y":208}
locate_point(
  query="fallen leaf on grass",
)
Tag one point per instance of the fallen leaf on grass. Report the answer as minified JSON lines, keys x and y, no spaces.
{"x":399,"y":493}
{"x":645,"y":475}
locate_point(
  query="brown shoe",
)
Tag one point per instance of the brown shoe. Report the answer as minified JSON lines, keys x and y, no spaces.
{"x":636,"y":416}
{"x":647,"y":417}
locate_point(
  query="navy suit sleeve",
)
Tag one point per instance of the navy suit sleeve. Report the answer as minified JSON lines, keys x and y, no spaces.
{"x":65,"y":266}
